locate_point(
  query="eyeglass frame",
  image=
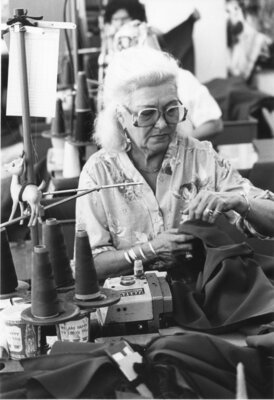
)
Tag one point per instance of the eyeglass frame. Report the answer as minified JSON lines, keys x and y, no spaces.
{"x":136,"y":115}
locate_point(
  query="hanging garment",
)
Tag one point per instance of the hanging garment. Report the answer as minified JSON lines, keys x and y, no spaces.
{"x":234,"y":287}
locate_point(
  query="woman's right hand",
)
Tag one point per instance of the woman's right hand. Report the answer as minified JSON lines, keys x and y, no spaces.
{"x":170,"y":244}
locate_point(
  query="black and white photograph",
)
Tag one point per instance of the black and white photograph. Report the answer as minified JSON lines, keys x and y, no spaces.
{"x":137,"y":199}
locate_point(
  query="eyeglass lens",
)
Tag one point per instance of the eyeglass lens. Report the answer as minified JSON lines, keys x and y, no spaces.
{"x":149,"y":116}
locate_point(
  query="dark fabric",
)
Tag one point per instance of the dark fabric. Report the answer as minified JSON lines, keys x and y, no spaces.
{"x":232,"y":288}
{"x":192,"y":365}
{"x":208,"y":365}
{"x":68,"y":375}
{"x":179,"y":43}
{"x":239,"y":101}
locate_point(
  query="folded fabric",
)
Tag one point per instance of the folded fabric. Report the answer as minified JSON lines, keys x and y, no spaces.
{"x":232,"y":288}
{"x":208,"y":365}
{"x":190,"y":365}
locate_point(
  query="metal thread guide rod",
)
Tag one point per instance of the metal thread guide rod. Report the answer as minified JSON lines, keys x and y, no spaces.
{"x":20,"y":30}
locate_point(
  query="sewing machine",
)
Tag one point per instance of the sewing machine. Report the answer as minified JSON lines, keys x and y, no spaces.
{"x":145,"y":305}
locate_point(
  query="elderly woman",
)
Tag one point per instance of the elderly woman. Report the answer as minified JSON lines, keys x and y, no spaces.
{"x":204,"y":114}
{"x":136,"y":131}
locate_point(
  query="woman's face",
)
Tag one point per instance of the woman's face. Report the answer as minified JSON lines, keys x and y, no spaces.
{"x":156,"y":138}
{"x":119,"y":18}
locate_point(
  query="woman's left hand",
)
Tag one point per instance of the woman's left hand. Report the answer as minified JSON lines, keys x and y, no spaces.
{"x":208,"y":205}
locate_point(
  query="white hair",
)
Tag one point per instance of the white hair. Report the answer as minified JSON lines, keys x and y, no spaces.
{"x":129,"y":70}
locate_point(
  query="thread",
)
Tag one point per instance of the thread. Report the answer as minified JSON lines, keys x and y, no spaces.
{"x":241,"y":392}
{"x":71,"y":164}
{"x":86,"y":281}
{"x":67,"y":78}
{"x":58,"y":122}
{"x":9,"y":280}
{"x":53,"y":239}
{"x":84,"y":112}
{"x":44,"y":299}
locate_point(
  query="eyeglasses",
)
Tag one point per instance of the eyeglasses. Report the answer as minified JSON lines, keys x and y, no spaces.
{"x":149,"y":116}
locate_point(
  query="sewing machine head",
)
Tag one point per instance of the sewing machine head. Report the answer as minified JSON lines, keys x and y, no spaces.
{"x":145,"y":304}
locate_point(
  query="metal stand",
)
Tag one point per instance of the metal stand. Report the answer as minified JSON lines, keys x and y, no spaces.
{"x":19,"y":29}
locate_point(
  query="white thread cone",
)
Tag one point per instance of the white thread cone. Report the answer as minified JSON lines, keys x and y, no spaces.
{"x":241,"y":392}
{"x":71,"y":166}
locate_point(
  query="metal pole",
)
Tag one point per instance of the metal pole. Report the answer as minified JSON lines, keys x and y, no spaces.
{"x":20,"y":39}
{"x":74,"y":17}
{"x":82,"y":193}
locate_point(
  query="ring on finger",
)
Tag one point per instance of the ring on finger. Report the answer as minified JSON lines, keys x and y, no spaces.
{"x":209,"y":211}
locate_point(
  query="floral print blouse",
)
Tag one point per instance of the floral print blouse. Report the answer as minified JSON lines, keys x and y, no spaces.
{"x":121,"y":217}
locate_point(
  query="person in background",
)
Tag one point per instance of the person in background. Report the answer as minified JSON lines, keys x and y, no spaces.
{"x":180,"y":177}
{"x":118,"y":12}
{"x":245,"y":43}
{"x":204,"y":114}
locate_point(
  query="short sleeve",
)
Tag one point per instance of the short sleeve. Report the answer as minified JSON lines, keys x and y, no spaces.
{"x":89,"y":208}
{"x":201,"y":105}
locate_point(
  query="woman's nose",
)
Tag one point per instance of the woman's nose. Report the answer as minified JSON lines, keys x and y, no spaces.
{"x":161,"y":122}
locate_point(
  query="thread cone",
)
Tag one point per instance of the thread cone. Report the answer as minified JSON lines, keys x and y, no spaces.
{"x":53,"y":239}
{"x":83,"y":126}
{"x":44,"y":299}
{"x":82,"y":102}
{"x":86,"y":281}
{"x":84,"y":112}
{"x":9,"y":280}
{"x":58,"y":122}
{"x":71,"y":165}
{"x":67,"y":78}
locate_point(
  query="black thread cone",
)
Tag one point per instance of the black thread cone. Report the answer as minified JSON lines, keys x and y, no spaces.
{"x":82,"y":102}
{"x":53,"y":239}
{"x":83,"y":126}
{"x":9,"y":280}
{"x":44,"y":298}
{"x":84,"y":112}
{"x":86,"y":281}
{"x":58,"y":122}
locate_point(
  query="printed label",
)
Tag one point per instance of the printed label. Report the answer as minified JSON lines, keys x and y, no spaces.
{"x":75,"y":331}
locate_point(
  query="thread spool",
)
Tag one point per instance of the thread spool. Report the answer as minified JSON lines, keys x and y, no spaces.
{"x":44,"y":299}
{"x":8,"y":274}
{"x":67,"y":77}
{"x":57,"y":132}
{"x":23,"y":340}
{"x":46,"y":308}
{"x":86,"y":282}
{"x":84,"y":112}
{"x":71,"y":164}
{"x":53,"y":239}
{"x":76,"y":330}
{"x":9,"y":284}
{"x":58,"y":128}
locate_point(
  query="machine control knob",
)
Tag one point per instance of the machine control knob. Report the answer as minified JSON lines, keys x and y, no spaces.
{"x":127,"y":280}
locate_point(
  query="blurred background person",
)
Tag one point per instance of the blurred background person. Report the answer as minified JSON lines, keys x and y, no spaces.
{"x":246,"y":44}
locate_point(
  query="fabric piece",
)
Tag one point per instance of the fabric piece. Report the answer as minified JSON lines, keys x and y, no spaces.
{"x":110,"y":216}
{"x":208,"y":364}
{"x":183,"y":50}
{"x":240,"y":101}
{"x":68,"y":375}
{"x":231,"y":289}
{"x":191,"y":365}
